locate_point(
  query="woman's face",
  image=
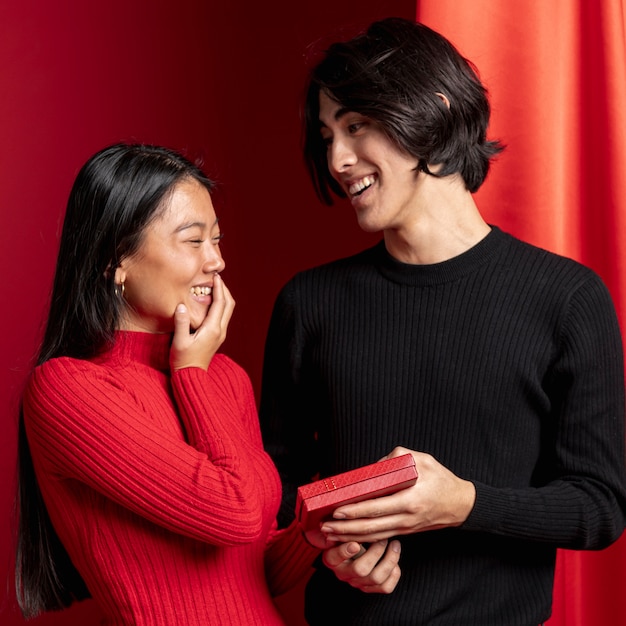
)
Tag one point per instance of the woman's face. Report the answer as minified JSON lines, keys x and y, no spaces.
{"x":175,"y":263}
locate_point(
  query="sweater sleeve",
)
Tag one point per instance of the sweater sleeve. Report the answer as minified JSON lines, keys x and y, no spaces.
{"x":583,"y":504}
{"x":84,"y":424}
{"x":289,"y":558}
{"x":217,"y":408}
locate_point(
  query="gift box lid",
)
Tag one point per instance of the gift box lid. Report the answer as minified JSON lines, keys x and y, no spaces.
{"x":321,"y":497}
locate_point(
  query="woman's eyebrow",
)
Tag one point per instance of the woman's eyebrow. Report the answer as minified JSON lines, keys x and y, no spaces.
{"x":188,"y":225}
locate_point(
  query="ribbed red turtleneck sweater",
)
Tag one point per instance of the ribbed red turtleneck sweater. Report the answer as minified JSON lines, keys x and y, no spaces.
{"x":159,"y":487}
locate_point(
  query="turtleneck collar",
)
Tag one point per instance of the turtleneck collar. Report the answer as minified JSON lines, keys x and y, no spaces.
{"x":148,"y":349}
{"x":439,"y":273}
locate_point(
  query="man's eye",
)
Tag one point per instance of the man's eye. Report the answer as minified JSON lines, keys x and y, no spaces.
{"x":353,"y":128}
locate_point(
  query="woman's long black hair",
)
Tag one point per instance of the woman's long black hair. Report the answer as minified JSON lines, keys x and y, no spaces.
{"x":116,"y":194}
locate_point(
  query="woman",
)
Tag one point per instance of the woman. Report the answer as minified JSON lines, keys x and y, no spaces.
{"x":143,"y":479}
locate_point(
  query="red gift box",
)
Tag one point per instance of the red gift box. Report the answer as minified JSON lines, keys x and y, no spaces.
{"x":316,"y":501}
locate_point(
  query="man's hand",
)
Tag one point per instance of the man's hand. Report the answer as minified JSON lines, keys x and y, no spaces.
{"x":439,"y":499}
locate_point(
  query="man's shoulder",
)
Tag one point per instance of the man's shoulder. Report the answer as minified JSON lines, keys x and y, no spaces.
{"x":535,"y":257}
{"x":362,"y":261}
{"x":319,"y":286}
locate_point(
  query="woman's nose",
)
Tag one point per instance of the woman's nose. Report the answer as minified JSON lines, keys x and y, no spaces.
{"x":214,"y":261}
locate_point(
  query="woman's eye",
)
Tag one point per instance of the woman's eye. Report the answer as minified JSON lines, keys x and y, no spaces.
{"x":217,"y":238}
{"x":355,"y":127}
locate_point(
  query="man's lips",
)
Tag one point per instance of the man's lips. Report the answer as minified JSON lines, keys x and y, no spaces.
{"x":358,"y":187}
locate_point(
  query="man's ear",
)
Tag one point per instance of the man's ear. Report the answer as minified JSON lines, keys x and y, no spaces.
{"x":444,"y":98}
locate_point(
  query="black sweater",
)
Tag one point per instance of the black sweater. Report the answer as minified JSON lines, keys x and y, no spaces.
{"x":505,"y":363}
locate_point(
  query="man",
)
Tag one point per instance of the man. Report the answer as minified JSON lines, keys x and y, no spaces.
{"x":498,"y":365}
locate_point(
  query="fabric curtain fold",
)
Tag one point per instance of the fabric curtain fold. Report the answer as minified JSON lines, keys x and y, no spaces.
{"x":556,"y":73}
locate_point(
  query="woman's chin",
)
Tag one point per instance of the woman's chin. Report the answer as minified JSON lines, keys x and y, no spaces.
{"x":195,"y":322}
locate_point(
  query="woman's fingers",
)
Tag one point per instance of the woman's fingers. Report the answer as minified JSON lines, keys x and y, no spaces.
{"x":374,"y":569}
{"x":198,"y":348}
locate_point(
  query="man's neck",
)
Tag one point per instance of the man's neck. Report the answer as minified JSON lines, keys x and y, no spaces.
{"x":446,"y":225}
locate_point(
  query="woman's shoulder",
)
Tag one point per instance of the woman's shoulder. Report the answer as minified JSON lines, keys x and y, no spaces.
{"x":68,"y":377}
{"x":57,"y":389}
{"x":61,"y":367}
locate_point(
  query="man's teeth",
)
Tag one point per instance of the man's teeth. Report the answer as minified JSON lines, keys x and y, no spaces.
{"x":361,"y":185}
{"x":200,"y":291}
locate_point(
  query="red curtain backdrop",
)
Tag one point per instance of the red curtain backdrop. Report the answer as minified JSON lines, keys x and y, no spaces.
{"x":556,"y":73}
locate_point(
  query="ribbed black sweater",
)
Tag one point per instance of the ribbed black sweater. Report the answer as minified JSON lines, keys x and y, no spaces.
{"x":505,"y":363}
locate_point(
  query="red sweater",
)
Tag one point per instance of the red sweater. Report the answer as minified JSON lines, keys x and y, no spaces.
{"x":159,"y":487}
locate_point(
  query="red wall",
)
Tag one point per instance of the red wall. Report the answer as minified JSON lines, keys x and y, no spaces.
{"x":219,"y":82}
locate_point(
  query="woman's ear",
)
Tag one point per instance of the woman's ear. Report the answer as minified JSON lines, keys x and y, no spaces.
{"x":443,"y":98}
{"x":120,"y":275}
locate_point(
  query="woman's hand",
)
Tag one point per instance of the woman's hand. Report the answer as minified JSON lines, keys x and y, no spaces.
{"x":439,"y":499}
{"x":198,"y":348}
{"x":372,"y":570}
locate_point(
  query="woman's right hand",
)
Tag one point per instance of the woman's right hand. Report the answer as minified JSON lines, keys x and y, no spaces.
{"x":198,"y":348}
{"x":374,"y":569}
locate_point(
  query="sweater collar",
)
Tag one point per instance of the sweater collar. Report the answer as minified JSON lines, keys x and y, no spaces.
{"x":439,"y":273}
{"x":148,"y":349}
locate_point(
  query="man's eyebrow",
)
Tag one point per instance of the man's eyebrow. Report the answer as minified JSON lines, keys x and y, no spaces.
{"x":339,"y":113}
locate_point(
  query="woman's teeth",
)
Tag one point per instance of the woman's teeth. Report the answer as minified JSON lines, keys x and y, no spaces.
{"x":361,"y":186}
{"x":200,"y":291}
